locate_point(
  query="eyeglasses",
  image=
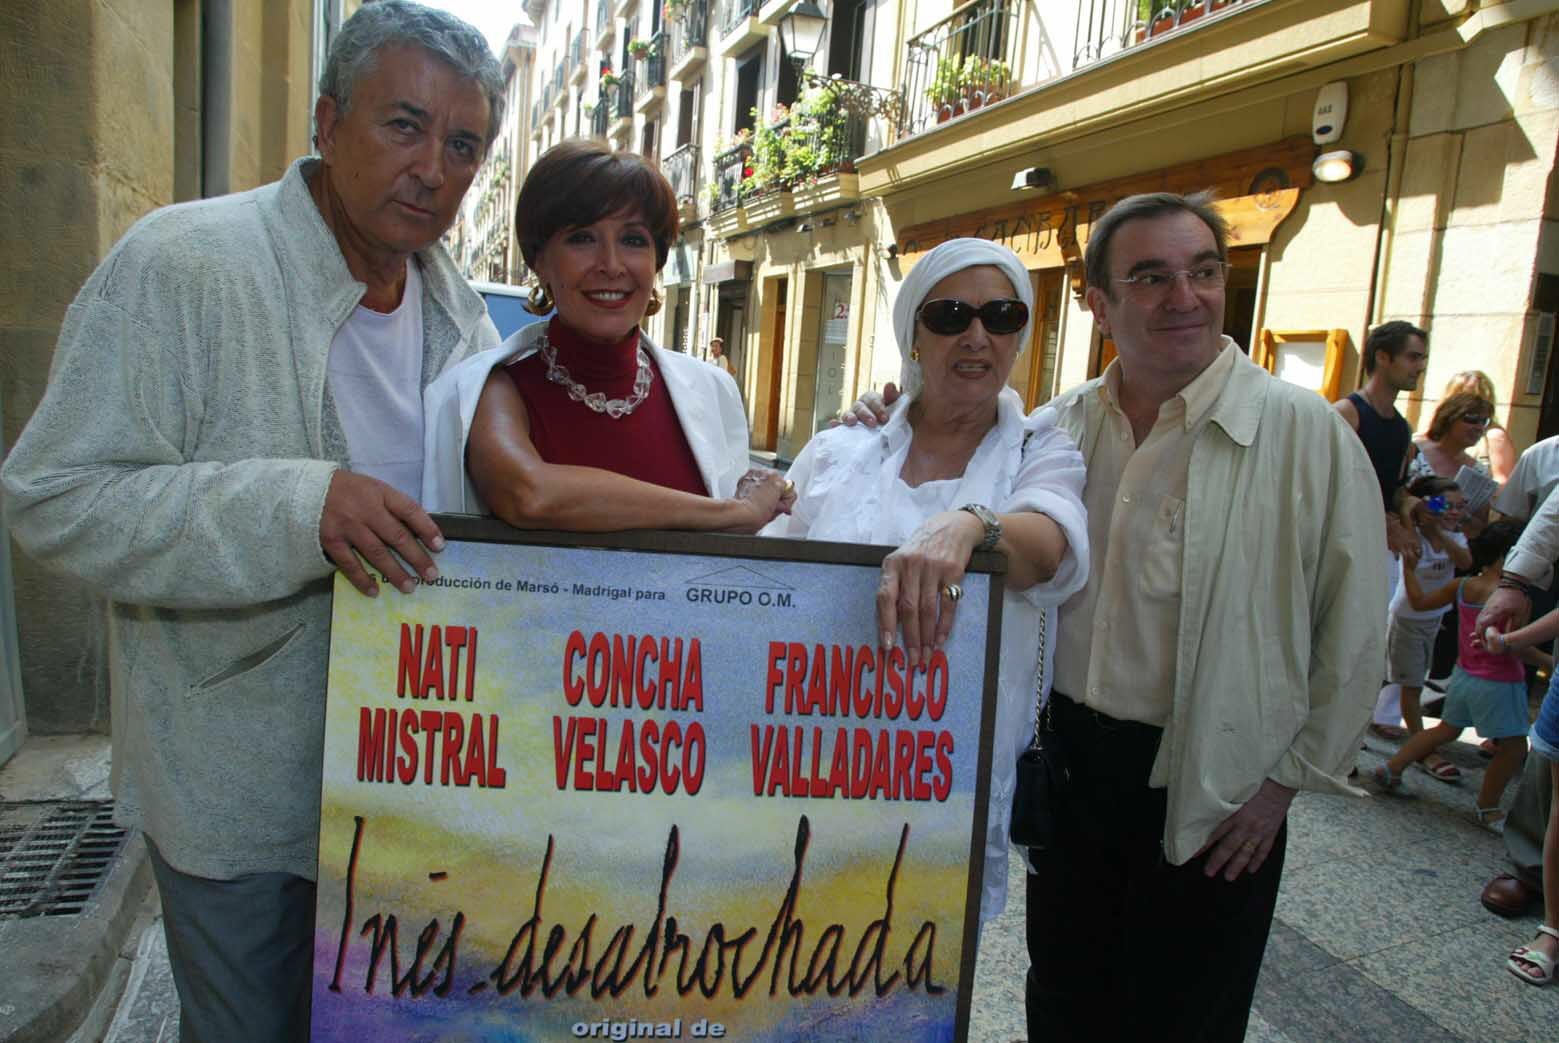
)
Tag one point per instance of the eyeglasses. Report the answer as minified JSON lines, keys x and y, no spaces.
{"x":1156,"y":283}
{"x":1477,"y":421}
{"x":948,"y":316}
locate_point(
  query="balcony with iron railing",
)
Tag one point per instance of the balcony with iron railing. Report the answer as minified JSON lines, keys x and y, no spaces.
{"x":809,"y":150}
{"x":560,"y":76}
{"x":650,"y":72}
{"x":732,"y":174}
{"x":601,"y":115}
{"x":734,"y":12}
{"x":686,"y":36}
{"x":961,"y":63}
{"x":740,"y":29}
{"x":681,"y":170}
{"x":577,"y":66}
{"x":622,"y":107}
{"x":1107,"y":27}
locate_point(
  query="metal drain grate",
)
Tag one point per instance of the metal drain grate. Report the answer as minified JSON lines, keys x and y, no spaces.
{"x":53,"y":857}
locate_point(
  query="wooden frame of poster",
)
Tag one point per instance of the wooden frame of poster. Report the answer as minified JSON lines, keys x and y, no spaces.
{"x":466,"y":721}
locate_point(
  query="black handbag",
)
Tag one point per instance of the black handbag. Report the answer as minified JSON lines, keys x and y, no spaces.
{"x":1043,"y":778}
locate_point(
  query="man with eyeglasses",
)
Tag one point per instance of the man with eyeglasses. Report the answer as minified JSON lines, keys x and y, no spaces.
{"x":1224,"y":653}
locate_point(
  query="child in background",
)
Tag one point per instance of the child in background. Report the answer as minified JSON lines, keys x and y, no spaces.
{"x":1487,"y":689}
{"x":1534,"y":963}
{"x":1410,"y":634}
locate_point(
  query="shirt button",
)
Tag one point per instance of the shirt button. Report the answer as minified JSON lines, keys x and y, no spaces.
{"x":1094,"y":691}
{"x":1126,"y":498}
{"x":1104,"y":624}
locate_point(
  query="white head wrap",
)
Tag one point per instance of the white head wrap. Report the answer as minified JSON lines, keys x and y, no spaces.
{"x":952,"y":256}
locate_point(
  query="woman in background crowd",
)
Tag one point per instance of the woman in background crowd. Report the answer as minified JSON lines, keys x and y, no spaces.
{"x":1495,"y":452}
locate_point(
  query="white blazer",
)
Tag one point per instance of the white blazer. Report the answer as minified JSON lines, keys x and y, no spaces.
{"x":703,"y":396}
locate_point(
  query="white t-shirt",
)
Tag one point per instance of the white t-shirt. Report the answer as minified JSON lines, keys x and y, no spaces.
{"x":1536,"y":474}
{"x":375,"y":377}
{"x":1434,"y":571}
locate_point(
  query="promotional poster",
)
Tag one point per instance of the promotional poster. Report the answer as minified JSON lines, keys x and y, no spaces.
{"x":623,"y":790}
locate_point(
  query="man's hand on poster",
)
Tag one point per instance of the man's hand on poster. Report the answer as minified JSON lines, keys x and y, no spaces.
{"x":1242,"y":842}
{"x":922,"y":582}
{"x":767,"y":494}
{"x":365,"y":517}
{"x":871,"y":409}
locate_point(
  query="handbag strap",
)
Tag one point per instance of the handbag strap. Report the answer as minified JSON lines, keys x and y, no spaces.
{"x":1042,"y":719}
{"x":1041,"y":704}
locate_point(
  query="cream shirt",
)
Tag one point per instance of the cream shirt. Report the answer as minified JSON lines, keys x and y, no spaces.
{"x":1281,"y":624}
{"x":1136,"y":526}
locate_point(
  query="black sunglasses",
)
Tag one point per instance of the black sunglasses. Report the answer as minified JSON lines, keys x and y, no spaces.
{"x":947,"y":316}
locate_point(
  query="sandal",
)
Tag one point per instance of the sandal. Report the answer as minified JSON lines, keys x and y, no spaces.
{"x":1541,"y":971}
{"x":1491,"y":819}
{"x":1389,"y":732}
{"x":1439,"y":769}
{"x":1386,"y":778}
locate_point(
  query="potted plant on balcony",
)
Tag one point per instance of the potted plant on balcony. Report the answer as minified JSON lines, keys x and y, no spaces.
{"x":609,"y":80}
{"x":945,"y":97}
{"x":639,"y":49}
{"x":673,"y":10}
{"x":983,"y":80}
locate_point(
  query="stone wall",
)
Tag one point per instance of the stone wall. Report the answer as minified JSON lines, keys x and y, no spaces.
{"x":91,"y":139}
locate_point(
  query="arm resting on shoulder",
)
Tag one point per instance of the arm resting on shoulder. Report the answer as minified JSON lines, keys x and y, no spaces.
{"x":530,"y":493}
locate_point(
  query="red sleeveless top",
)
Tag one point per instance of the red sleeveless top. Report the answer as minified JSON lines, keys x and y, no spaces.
{"x":647,"y":444}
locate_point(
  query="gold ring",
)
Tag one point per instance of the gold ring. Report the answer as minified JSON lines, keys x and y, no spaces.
{"x":790,"y":488}
{"x":952,"y":592}
{"x":1249,"y":845}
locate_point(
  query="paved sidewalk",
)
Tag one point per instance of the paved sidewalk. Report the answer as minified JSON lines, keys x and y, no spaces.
{"x":1379,"y":934}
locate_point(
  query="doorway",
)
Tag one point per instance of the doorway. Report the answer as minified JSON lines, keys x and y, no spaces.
{"x":832,"y":336}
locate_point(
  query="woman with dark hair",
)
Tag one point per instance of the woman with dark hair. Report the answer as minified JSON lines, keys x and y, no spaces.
{"x":580,"y":422}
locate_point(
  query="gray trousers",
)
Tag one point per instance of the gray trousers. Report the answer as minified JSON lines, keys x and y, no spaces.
{"x":1528,"y":819}
{"x":242,"y":954}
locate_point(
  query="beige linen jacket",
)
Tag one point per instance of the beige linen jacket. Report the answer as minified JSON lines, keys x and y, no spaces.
{"x":1280,"y":643}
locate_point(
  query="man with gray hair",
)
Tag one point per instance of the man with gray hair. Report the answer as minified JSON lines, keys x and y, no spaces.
{"x":234,"y":412}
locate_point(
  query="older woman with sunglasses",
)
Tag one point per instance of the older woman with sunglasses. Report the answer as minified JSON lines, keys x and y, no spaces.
{"x":957,"y":468}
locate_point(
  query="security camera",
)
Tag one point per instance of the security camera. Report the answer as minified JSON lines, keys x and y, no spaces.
{"x":1032,"y":178}
{"x":1331,"y":112}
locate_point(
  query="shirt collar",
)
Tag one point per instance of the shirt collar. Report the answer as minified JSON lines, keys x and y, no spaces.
{"x":1196,"y":398}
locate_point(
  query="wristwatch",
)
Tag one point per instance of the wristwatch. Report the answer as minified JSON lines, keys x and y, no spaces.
{"x":989,"y":520}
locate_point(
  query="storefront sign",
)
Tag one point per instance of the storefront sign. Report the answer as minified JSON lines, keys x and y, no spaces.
{"x":1256,"y":190}
{"x":649,"y":786}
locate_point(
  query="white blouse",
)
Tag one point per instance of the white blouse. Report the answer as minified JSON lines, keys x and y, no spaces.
{"x":848,"y":489}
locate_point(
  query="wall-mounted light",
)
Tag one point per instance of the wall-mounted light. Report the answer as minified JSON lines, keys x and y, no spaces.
{"x":1032,"y":178}
{"x":893,"y":250}
{"x":1339,"y":165}
{"x":801,"y":31}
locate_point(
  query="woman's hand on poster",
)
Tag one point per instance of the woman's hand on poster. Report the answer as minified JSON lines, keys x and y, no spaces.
{"x":766,"y":494}
{"x":922,"y":582}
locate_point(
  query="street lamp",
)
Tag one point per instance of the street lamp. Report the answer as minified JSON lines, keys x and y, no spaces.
{"x":801,"y":31}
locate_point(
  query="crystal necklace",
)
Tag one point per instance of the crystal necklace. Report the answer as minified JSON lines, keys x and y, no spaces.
{"x":616,"y":408}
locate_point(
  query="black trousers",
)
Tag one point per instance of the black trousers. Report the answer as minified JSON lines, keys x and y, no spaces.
{"x":1122,"y":944}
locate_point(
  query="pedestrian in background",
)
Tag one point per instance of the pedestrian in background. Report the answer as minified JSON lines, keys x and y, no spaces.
{"x":1487,"y":689}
